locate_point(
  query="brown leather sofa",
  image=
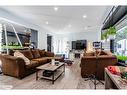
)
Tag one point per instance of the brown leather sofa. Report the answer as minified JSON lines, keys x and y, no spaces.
{"x":16,"y":67}
{"x":89,"y":61}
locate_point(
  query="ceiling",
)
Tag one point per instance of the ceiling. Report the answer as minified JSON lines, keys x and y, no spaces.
{"x":66,"y":19}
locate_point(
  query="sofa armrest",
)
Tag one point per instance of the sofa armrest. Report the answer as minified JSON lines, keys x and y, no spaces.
{"x":90,"y":59}
{"x":13,"y":66}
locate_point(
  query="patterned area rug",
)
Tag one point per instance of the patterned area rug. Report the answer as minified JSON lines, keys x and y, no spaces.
{"x":88,"y":84}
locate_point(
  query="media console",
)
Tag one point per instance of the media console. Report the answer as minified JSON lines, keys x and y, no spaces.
{"x":76,"y":54}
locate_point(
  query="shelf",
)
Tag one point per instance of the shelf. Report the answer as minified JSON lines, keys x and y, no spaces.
{"x":13,"y":34}
{"x":11,"y":47}
{"x":56,"y":75}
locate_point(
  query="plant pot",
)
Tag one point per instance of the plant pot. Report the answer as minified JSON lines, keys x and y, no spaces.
{"x":111,"y":36}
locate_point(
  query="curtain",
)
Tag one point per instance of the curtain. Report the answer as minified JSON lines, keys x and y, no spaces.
{"x":61,"y":46}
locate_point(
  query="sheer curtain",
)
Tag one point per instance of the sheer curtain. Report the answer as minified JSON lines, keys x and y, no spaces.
{"x":61,"y":46}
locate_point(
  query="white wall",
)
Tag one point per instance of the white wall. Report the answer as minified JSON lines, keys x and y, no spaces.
{"x":42,"y":38}
{"x":89,"y":35}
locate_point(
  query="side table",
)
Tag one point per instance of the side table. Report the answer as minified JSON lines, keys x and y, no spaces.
{"x":113,"y":81}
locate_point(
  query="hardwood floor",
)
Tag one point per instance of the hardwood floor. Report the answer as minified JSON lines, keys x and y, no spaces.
{"x":70,"y":80}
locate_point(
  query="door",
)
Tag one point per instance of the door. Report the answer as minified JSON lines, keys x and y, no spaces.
{"x":49,"y":43}
{"x":34,"y":37}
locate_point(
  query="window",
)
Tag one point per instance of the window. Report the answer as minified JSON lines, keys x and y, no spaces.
{"x":121,"y":42}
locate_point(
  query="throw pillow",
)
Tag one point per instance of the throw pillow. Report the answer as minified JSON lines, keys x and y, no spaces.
{"x":36,"y":53}
{"x":19,"y":54}
{"x":49,"y":54}
{"x":42,"y":53}
{"x":27,"y":53}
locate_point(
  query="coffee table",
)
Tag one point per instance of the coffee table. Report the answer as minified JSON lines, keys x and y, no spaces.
{"x":53,"y":58}
{"x":57,"y":71}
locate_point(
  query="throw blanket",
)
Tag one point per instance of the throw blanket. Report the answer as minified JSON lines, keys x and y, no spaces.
{"x":117,"y":69}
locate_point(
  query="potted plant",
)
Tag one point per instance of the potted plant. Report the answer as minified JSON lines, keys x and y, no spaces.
{"x":104,"y":35}
{"x":109,"y":33}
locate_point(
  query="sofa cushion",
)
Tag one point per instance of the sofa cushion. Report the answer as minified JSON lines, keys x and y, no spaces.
{"x":19,"y":54}
{"x":41,"y":60}
{"x":49,"y":54}
{"x":27,"y":53}
{"x":36,"y":53}
{"x":89,"y":54}
{"x":102,"y":53}
{"x":61,"y":59}
{"x":42,"y":53}
{"x":32,"y":64}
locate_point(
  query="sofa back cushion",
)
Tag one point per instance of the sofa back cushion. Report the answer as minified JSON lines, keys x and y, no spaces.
{"x":42,"y":53}
{"x":36,"y":53}
{"x":20,"y":55}
{"x":27,"y":53}
{"x":89,"y":54}
{"x":49,"y":54}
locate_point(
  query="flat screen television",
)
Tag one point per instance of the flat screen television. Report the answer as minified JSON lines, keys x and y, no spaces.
{"x":79,"y":44}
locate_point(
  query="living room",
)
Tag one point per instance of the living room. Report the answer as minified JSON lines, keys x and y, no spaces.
{"x":63,"y":47}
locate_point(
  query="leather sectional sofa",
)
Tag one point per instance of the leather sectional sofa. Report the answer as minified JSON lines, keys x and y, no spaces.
{"x":89,"y":61}
{"x":16,"y":67}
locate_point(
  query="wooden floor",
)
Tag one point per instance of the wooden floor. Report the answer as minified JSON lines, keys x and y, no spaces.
{"x":70,"y":80}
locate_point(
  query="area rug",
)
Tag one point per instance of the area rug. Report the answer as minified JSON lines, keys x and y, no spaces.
{"x":88,"y":84}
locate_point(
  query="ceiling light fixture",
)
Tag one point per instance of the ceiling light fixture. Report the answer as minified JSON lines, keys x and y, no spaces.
{"x":55,"y":8}
{"x":69,"y":25}
{"x":85,"y":28}
{"x":47,"y":22}
{"x":84,"y":16}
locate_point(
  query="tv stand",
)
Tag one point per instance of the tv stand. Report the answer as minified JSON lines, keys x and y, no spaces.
{"x":76,"y":53}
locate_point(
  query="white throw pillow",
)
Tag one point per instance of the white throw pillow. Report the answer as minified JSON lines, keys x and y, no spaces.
{"x":19,"y":54}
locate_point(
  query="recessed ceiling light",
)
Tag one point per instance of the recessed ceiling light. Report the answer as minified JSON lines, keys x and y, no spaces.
{"x":84,"y":16}
{"x":69,"y":25}
{"x":55,"y":8}
{"x":47,"y":22}
{"x":85,"y":28}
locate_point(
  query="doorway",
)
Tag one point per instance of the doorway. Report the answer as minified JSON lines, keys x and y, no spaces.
{"x":49,"y":43}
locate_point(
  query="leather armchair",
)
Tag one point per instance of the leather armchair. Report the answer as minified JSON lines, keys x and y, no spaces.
{"x":91,"y":64}
{"x":13,"y":66}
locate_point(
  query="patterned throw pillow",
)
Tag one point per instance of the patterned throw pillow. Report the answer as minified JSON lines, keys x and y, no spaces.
{"x":19,"y":54}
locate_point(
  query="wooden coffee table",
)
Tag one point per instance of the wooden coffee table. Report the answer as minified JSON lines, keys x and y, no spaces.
{"x":57,"y":71}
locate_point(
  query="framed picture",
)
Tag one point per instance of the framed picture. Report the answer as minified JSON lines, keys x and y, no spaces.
{"x":97,"y":45}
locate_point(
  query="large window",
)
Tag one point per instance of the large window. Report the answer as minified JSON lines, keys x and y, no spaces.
{"x":121,"y":42}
